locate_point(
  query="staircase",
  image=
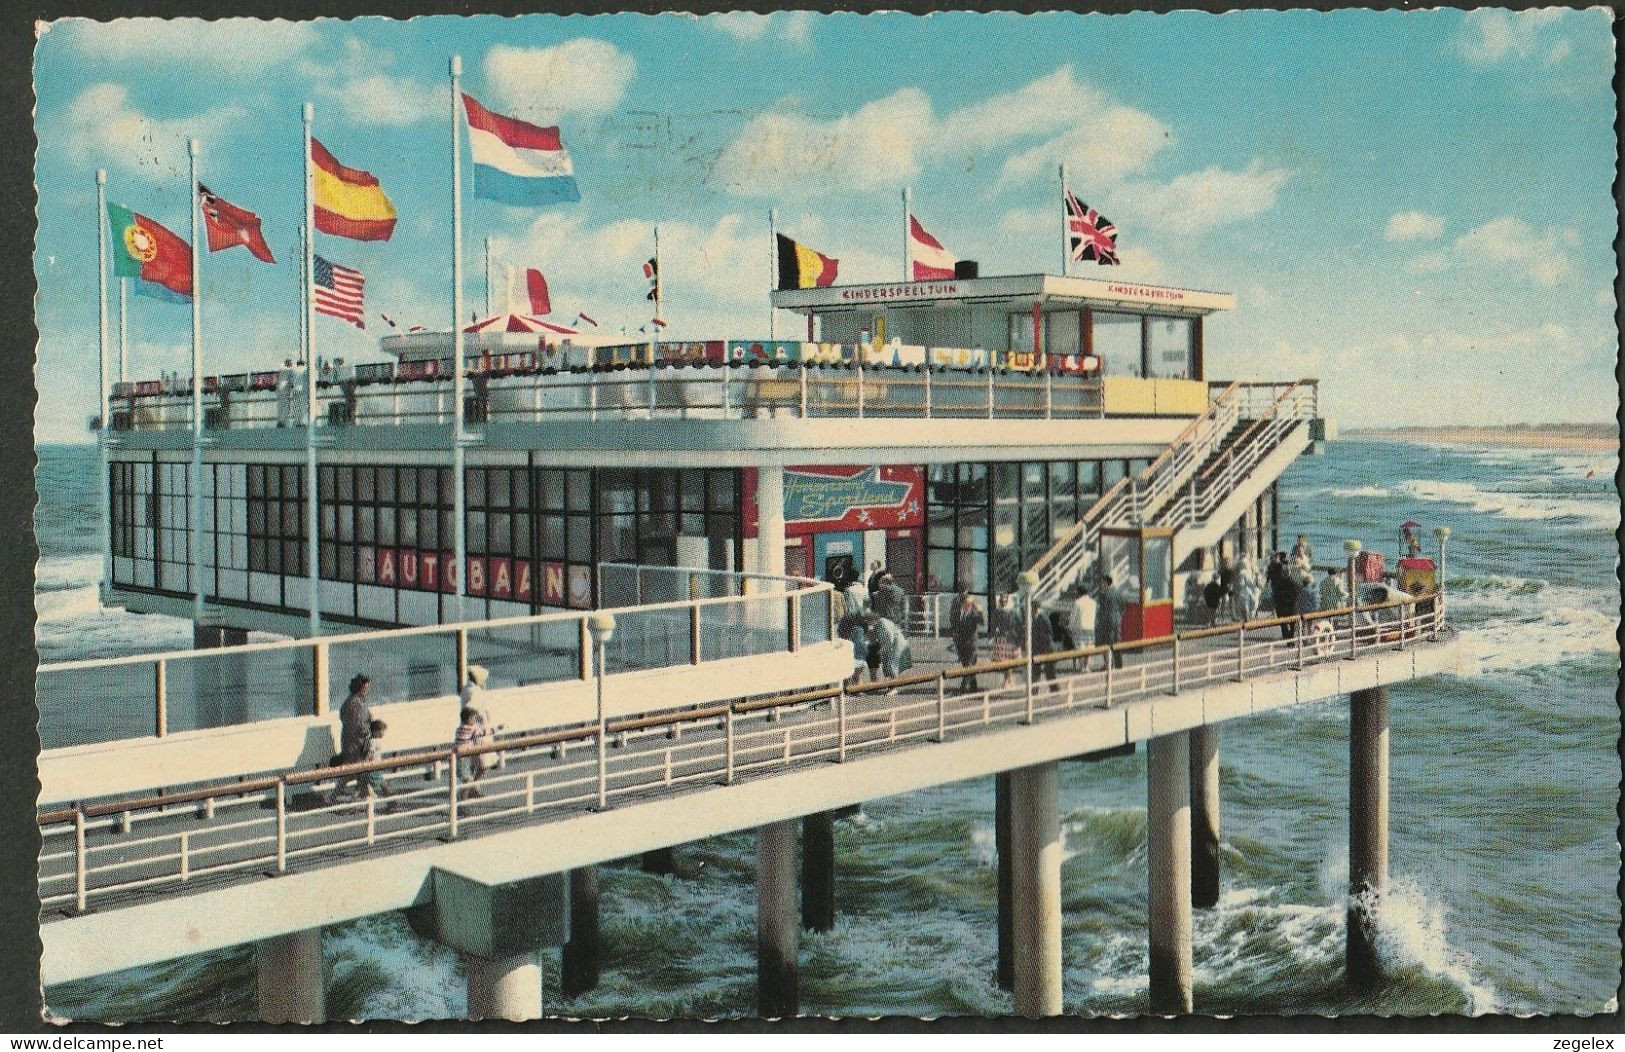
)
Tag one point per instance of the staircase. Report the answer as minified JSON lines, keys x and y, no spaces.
{"x":1223,"y":460}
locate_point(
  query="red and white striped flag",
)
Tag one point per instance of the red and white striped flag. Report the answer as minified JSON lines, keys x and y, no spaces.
{"x":338,"y":292}
{"x":932,"y":262}
{"x":527,"y":292}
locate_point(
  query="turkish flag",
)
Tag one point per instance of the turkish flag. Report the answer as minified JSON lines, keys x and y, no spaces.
{"x":229,"y":225}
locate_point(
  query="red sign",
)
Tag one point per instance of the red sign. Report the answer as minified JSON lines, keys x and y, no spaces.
{"x":831,"y":499}
{"x":553,"y":584}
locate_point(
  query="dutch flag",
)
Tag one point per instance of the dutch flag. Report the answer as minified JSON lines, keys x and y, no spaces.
{"x":517,"y":163}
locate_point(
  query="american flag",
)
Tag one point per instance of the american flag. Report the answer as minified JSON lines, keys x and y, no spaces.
{"x":1092,"y":234}
{"x":337,"y":291}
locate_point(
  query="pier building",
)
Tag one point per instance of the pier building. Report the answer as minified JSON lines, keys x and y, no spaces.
{"x":642,"y":543}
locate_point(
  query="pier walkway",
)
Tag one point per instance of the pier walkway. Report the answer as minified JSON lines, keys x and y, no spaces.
{"x":130,"y":882}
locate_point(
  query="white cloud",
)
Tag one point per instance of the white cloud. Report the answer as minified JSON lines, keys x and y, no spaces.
{"x":1489,"y":36}
{"x":1198,"y":201}
{"x":239,"y":45}
{"x":887,"y":141}
{"x":384,"y":101}
{"x":715,"y":277}
{"x":578,"y":76}
{"x":1510,"y":240}
{"x":794,"y":27}
{"x":101,"y":127}
{"x":878,"y":145}
{"x":1414,"y":226}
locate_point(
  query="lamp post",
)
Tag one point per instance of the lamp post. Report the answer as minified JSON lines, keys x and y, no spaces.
{"x":601,"y":626}
{"x":1028,"y":582}
{"x":1353,"y":549}
{"x":1443,"y":533}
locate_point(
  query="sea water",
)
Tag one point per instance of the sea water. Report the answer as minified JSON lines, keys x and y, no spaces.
{"x":1504,"y":858}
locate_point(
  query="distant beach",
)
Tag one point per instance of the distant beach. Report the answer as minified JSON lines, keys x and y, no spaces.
{"x":1578,"y":438}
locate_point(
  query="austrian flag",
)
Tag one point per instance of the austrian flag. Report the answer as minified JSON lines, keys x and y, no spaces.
{"x":517,"y":163}
{"x":931,"y":261}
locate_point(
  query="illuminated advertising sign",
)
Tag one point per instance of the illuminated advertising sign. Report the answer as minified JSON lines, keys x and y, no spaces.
{"x":848,"y":497}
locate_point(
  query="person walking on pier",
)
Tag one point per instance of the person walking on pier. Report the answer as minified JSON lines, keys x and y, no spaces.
{"x":355,"y":730}
{"x":375,"y":779}
{"x":890,"y":601}
{"x":1332,"y":594}
{"x":891,"y":645}
{"x":1109,"y":617}
{"x":965,"y":624}
{"x":1007,"y":629}
{"x":1248,"y":588}
{"x":470,"y":731}
{"x":1043,"y":644}
{"x":1283,"y":592}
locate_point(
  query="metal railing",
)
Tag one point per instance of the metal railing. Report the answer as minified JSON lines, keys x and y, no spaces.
{"x":665,"y":617}
{"x":1204,"y":492}
{"x":731,"y":390}
{"x":1142,"y":497}
{"x":266,"y":824}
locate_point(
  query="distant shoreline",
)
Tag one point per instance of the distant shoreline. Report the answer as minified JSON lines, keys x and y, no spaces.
{"x":1576,"y":438}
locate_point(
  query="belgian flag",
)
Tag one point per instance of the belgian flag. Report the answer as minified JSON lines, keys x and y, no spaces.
{"x":802,"y":268}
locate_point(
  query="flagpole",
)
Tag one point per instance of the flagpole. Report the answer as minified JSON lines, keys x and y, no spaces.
{"x":772,"y":270}
{"x":660,"y":294}
{"x":194,"y":534}
{"x":123,"y":307}
{"x":101,"y":432}
{"x":312,"y":490}
{"x":489,"y":310}
{"x":1066,"y":241}
{"x":908,"y":235}
{"x":459,"y":511}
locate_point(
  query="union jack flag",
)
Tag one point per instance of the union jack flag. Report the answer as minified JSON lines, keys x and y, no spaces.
{"x":1092,"y":235}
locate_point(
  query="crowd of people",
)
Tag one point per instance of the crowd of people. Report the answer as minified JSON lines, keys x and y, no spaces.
{"x":873,"y":616}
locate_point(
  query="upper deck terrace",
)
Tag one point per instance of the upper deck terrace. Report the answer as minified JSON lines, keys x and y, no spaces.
{"x":724,"y":395}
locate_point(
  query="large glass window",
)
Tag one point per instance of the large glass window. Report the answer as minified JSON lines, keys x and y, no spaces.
{"x":276,"y":519}
{"x":1117,"y":343}
{"x":1062,"y":333}
{"x":1172,"y":348}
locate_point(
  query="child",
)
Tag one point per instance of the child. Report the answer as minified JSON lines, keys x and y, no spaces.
{"x":469,"y":733}
{"x":375,"y":779}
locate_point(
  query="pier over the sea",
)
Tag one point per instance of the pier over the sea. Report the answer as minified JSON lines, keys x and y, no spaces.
{"x":260,"y":854}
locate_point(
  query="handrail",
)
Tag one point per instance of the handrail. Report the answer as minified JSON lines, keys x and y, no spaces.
{"x":312,"y":696}
{"x":408,"y":761}
{"x":800,"y":585}
{"x":1211,"y":426}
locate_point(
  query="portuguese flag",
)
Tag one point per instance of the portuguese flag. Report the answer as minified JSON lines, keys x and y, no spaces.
{"x":152,"y":252}
{"x":802,"y":268}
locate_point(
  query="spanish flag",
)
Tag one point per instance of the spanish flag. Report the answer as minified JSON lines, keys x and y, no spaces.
{"x":349,"y":202}
{"x":802,"y":268}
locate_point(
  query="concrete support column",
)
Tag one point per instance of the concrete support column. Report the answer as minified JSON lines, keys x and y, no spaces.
{"x":818,"y":871}
{"x":1035,"y":860}
{"x":505,"y":988}
{"x":662,"y":861}
{"x":1368,"y":829}
{"x":292,"y":983}
{"x":770,"y":520}
{"x":1204,"y":747}
{"x":1001,"y":848}
{"x":1168,"y":859}
{"x":579,"y":959}
{"x":777,"y":930}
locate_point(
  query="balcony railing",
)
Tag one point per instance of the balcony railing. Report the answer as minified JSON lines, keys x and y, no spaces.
{"x":665,"y":617}
{"x":923,"y":383}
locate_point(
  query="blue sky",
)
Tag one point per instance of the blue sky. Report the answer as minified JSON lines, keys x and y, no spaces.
{"x":1415,"y":207}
